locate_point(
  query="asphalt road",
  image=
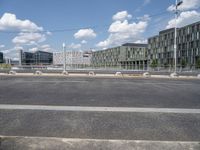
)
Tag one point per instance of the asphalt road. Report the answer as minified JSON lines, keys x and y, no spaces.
{"x":70,"y":91}
{"x":101,"y":125}
{"x":100,"y":92}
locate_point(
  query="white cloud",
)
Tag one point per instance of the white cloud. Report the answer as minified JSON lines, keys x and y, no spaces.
{"x":74,"y":46}
{"x":146,"y":2}
{"x":121,"y":16}
{"x":18,"y":48}
{"x":6,"y":51}
{"x":49,"y":33}
{"x":186,"y":5}
{"x":2,"y":46}
{"x":122,"y":32}
{"x":85,"y":34}
{"x":185,"y":18}
{"x":144,"y":41}
{"x":29,"y":38}
{"x":83,"y":42}
{"x":144,"y":18}
{"x":45,"y":47}
{"x":34,"y":49}
{"x":9,"y":22}
{"x":11,"y":50}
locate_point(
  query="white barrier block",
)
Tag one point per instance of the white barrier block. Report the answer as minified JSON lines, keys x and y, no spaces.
{"x":38,"y":72}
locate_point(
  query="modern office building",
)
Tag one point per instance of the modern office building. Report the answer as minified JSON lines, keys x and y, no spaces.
{"x":36,"y":58}
{"x":43,"y":58}
{"x":127,"y":56}
{"x":1,"y":57}
{"x":73,"y":58}
{"x":161,"y":47}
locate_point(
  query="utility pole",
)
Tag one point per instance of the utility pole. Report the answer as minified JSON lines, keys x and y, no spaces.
{"x":175,"y":38}
{"x":64,"y":57}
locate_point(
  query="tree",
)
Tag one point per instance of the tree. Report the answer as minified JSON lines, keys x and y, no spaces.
{"x":198,"y":63}
{"x":154,"y":64}
{"x":183,"y":63}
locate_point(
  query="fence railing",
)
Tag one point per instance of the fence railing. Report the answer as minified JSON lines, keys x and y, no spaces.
{"x":143,"y":68}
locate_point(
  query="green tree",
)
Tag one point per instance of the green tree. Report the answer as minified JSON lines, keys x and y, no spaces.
{"x":198,"y":63}
{"x":183,"y":63}
{"x":154,"y":64}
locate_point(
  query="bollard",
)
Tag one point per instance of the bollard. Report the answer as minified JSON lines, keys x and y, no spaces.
{"x":174,"y":75}
{"x":118,"y":74}
{"x":65,"y":73}
{"x":12,"y":72}
{"x":38,"y":72}
{"x":91,"y":73}
{"x":146,"y":75}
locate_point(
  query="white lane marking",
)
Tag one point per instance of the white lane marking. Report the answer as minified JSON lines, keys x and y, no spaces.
{"x":73,"y":81}
{"x":158,"y":83}
{"x":100,"y":109}
{"x":100,"y":140}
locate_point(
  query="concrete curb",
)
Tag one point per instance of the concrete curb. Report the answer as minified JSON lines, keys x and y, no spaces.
{"x":43,"y":143}
{"x":101,"y":75}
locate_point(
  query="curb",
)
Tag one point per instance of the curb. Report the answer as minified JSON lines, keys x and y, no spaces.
{"x":42,"y":143}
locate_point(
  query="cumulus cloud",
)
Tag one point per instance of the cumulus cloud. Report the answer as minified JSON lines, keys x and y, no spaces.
{"x":45,"y":47}
{"x":74,"y":46}
{"x":144,"y":41}
{"x":34,"y":49}
{"x":186,"y":5}
{"x":9,"y":22}
{"x":2,"y":46}
{"x":12,"y":50}
{"x":123,"y":31}
{"x":83,"y":42}
{"x":29,"y":38}
{"x":146,"y":2}
{"x":85,"y":34}
{"x":49,"y":33}
{"x":6,"y":51}
{"x":185,"y":18}
{"x":121,"y":16}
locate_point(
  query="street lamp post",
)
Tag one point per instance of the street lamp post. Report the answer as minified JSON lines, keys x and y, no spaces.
{"x":175,"y":38}
{"x":64,"y":57}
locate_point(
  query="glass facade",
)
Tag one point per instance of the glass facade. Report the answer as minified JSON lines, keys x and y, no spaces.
{"x":1,"y":57}
{"x":161,"y":47}
{"x":37,"y":58}
{"x":127,"y":56}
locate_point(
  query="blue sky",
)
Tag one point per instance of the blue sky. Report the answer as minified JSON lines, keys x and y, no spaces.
{"x":134,"y":21}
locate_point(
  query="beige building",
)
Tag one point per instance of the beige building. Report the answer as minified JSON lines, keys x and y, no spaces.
{"x":73,"y":58}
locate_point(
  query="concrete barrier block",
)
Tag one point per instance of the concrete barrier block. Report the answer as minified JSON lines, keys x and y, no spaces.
{"x":38,"y":72}
{"x":12,"y":72}
{"x":118,"y":74}
{"x":91,"y":73}
{"x":65,"y":73}
{"x":146,"y":75}
{"x":174,"y":75}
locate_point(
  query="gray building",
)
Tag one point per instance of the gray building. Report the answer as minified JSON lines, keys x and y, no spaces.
{"x":36,"y":58}
{"x":161,"y":47}
{"x":127,"y":56}
{"x":1,"y":57}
